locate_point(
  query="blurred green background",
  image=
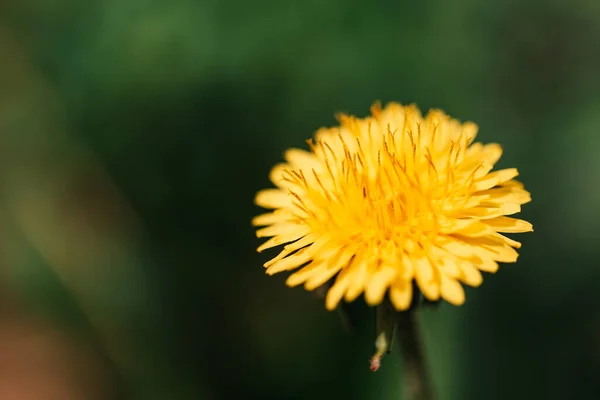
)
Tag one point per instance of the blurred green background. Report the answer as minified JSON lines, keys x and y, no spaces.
{"x":135,"y":133}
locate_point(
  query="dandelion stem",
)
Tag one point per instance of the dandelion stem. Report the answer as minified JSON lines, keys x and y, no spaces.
{"x":416,"y":381}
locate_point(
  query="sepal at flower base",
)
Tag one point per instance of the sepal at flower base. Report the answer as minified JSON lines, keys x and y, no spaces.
{"x":386,"y":318}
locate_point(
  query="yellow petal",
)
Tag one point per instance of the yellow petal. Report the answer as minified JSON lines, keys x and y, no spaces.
{"x":484,"y":211}
{"x":284,"y":228}
{"x":470,"y":275}
{"x":479,"y":159}
{"x":507,"y":194}
{"x":509,"y":225}
{"x":359,"y":281}
{"x":469,"y":129}
{"x":407,"y":271}
{"x":510,"y":208}
{"x":449,"y":266}
{"x":514,"y":184}
{"x":379,"y":284}
{"x":508,"y":241}
{"x":343,"y":256}
{"x":268,"y":219}
{"x":302,"y":256}
{"x":304,"y":273}
{"x":401,"y":294}
{"x":281,"y":239}
{"x":476,"y":228}
{"x":282,"y":177}
{"x":301,"y":159}
{"x":452,"y":224}
{"x":481,"y":247}
{"x":444,"y":261}
{"x":334,"y":264}
{"x":424,"y":275}
{"x":495,"y":178}
{"x":423,"y":269}
{"x":452,"y":291}
{"x":290,"y":248}
{"x":319,"y":278}
{"x":474,"y":150}
{"x":328,"y":251}
{"x":318,"y":243}
{"x":504,"y":254}
{"x":487,"y":265}
{"x":273,"y":198}
{"x":336,"y":292}
{"x":491,"y":153}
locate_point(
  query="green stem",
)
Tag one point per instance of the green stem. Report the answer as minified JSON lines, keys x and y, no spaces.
{"x":416,"y":381}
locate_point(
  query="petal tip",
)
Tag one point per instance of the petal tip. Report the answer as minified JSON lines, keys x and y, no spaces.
{"x":456,"y":302}
{"x":372,"y":299}
{"x":292,"y":281}
{"x":330,"y":305}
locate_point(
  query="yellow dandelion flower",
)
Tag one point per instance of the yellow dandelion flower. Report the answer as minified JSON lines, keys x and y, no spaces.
{"x":395,"y":198}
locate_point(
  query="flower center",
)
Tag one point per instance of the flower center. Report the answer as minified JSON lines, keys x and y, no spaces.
{"x":374,"y":195}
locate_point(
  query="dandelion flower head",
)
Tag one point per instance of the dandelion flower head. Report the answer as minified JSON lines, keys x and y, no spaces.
{"x":378,"y":204}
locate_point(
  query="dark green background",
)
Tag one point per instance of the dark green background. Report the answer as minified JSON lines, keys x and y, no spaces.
{"x":135,"y":133}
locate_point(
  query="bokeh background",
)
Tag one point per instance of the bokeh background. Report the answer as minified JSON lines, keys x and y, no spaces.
{"x":135,"y":133}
